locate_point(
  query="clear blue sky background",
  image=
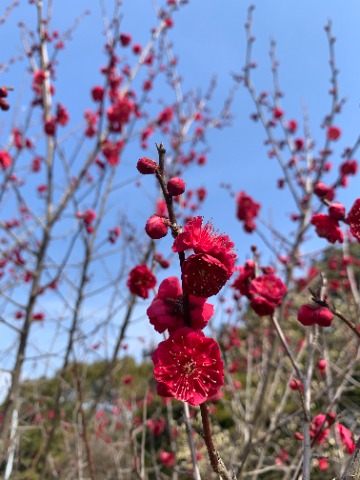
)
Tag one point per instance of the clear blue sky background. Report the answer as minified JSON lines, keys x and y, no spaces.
{"x":209,"y":38}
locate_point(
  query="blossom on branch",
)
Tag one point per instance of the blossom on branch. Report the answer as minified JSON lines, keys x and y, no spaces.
{"x":188,"y":366}
{"x":167,"y":310}
{"x":140,"y":281}
{"x":111,"y":151}
{"x":333,"y":133}
{"x":266,"y":293}
{"x":327,"y":227}
{"x":207,"y":271}
{"x":203,"y":239}
{"x":346,"y":438}
{"x":311,"y":314}
{"x":353,"y":219}
{"x":157,"y":227}
{"x":243,"y":281}
{"x":203,"y":275}
{"x":5,"y":159}
{"x":247,"y":210}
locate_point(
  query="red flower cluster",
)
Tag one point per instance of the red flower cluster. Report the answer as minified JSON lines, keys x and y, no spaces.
{"x":188,"y":366}
{"x":111,"y":151}
{"x":167,"y":309}
{"x":89,"y":216}
{"x":346,"y":438}
{"x":118,"y":114}
{"x":247,"y":210}
{"x":319,"y":428}
{"x":336,"y":211}
{"x":247,"y":274}
{"x":266,"y":293}
{"x":324,"y":191}
{"x":3,"y":103}
{"x":349,"y":167}
{"x":320,"y":431}
{"x":167,"y":458}
{"x":140,"y":281}
{"x":353,"y":219}
{"x":327,"y":227}
{"x":62,"y":116}
{"x":205,"y":272}
{"x":311,"y":314}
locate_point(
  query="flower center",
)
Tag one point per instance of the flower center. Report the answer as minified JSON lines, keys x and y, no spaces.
{"x":176,"y":306}
{"x":189,"y":368}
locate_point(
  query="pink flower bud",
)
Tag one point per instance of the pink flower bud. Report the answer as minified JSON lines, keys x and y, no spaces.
{"x":4,"y":105}
{"x":333,"y":133}
{"x":277,"y":112}
{"x":3,"y":92}
{"x":321,"y":190}
{"x":97,"y":93}
{"x":125,"y":39}
{"x":310,"y":314}
{"x":50,"y":126}
{"x":299,"y":144}
{"x":146,"y":166}
{"x":306,"y":315}
{"x":137,"y":49}
{"x":321,"y":364}
{"x":295,"y":385}
{"x":89,"y":216}
{"x":292,"y":126}
{"x":337,"y":211}
{"x":350,"y":167}
{"x":323,"y":317}
{"x":176,"y":186}
{"x":156,"y":227}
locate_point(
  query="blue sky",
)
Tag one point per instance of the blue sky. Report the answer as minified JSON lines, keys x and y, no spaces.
{"x":209,"y":38}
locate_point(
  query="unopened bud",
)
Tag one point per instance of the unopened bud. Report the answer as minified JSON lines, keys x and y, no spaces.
{"x":176,"y":186}
{"x":156,"y":227}
{"x":146,"y":166}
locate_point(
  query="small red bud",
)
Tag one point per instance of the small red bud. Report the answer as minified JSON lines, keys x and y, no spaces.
{"x":337,"y":211}
{"x":333,"y":133}
{"x":292,"y":126}
{"x":323,"y":317}
{"x":350,"y":167}
{"x":321,"y":190}
{"x":125,"y":39}
{"x":97,"y":93}
{"x":146,"y":166}
{"x":4,"y":105}
{"x":306,"y":315}
{"x":277,"y":112}
{"x":176,"y":186}
{"x":156,"y":227}
{"x":50,"y":126}
{"x":89,"y":216}
{"x":295,"y":385}
{"x":321,"y":364}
